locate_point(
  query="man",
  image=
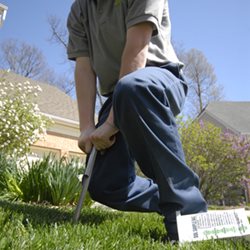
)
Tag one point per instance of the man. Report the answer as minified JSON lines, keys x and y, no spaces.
{"x":126,"y":44}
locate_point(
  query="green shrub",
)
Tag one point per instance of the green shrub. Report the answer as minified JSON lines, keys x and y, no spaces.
{"x":51,"y":180}
{"x":220,"y":159}
{"x":10,"y":178}
{"x":21,"y":122}
{"x":45,"y":181}
{"x":34,"y":183}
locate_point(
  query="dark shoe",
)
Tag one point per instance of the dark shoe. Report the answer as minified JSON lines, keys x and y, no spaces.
{"x":172,"y":239}
{"x":172,"y":231}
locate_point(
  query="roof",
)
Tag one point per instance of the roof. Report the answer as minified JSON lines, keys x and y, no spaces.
{"x":51,"y":100}
{"x":234,"y":116}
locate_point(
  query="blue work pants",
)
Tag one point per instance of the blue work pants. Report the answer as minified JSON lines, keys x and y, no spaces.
{"x":145,"y":104}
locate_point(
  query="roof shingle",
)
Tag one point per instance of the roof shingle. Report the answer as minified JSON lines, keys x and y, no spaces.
{"x":51,"y":100}
{"x":231,"y":115}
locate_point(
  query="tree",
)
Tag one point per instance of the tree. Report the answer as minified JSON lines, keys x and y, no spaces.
{"x":22,"y":58}
{"x":202,"y":81}
{"x":220,"y":159}
{"x":28,"y":61}
{"x":21,"y":122}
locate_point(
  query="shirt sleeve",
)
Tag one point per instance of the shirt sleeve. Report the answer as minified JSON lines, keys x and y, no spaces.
{"x":145,"y":11}
{"x":78,"y":42}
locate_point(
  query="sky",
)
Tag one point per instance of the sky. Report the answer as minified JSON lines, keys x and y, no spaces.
{"x":218,"y":28}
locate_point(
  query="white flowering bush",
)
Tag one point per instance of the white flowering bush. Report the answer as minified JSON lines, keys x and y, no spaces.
{"x":21,"y":122}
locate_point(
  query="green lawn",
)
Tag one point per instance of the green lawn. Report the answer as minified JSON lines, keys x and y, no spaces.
{"x":34,"y":227}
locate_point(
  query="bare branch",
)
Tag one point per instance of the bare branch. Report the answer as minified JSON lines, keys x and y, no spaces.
{"x":22,"y":58}
{"x":58,"y":32}
{"x":203,"y":86}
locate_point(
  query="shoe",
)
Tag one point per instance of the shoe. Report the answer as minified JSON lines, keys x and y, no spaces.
{"x":172,"y":231}
{"x":172,"y":239}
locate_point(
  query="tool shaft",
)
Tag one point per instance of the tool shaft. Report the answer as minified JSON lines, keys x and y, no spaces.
{"x":85,"y":184}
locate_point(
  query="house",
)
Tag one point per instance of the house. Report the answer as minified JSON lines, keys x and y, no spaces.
{"x":230,"y":116}
{"x":62,"y":135}
{"x":3,"y":12}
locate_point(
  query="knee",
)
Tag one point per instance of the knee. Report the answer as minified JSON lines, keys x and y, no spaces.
{"x":107,"y":197}
{"x":127,"y":87}
{"x":100,"y":192}
{"x":96,"y":192}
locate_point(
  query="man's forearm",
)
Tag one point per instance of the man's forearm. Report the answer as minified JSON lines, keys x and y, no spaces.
{"x":86,"y":92}
{"x":134,"y":55}
{"x":130,"y":63}
{"x":133,"y":60}
{"x":135,"y":51}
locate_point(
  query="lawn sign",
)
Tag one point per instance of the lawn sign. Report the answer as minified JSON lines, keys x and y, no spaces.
{"x":213,"y":225}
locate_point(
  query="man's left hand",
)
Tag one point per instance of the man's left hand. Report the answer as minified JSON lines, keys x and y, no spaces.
{"x":104,"y":136}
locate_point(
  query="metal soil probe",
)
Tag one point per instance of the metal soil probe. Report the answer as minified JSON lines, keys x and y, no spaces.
{"x":85,"y":184}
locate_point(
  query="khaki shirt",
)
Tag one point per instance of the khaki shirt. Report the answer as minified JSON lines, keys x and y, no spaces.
{"x":97,"y":29}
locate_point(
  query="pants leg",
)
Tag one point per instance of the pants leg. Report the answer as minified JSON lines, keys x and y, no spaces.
{"x":114,"y":182}
{"x":145,"y":103}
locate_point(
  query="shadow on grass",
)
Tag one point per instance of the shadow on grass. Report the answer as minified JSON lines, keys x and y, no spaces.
{"x":45,"y":215}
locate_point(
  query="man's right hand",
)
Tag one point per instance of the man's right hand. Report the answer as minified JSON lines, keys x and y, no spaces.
{"x":84,"y":140}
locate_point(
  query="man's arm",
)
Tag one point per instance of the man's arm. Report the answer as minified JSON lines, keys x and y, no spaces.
{"x":135,"y":52}
{"x":85,"y":80}
{"x":136,"y":48}
{"x":134,"y":57}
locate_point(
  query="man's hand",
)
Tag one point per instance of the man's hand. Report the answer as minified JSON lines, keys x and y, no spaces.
{"x":104,"y":136}
{"x":84,"y":140}
{"x":101,"y":138}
